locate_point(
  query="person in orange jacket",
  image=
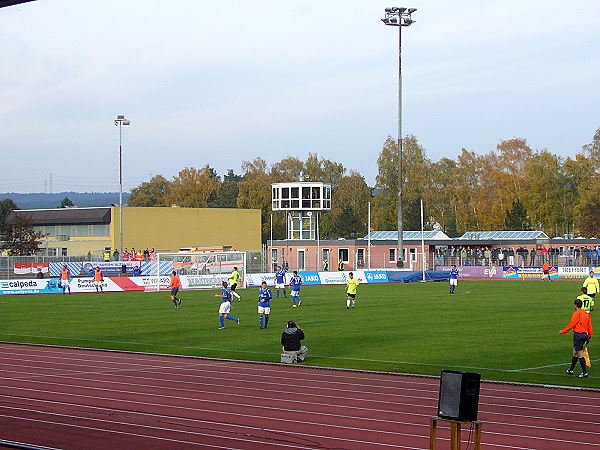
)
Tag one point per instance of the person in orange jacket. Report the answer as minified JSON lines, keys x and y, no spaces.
{"x":581,"y":324}
{"x":98,"y":280}
{"x":175,"y":285}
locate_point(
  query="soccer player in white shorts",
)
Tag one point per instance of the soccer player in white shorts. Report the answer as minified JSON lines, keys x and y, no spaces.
{"x":225,"y":307}
{"x":264,"y":305}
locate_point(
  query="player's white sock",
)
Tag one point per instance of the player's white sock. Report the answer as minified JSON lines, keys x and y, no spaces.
{"x":353,"y":303}
{"x":236,"y":294}
{"x":348,"y":303}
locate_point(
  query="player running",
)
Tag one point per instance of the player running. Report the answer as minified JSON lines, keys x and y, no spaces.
{"x":234,"y":280}
{"x":454,"y":274}
{"x":65,"y":276}
{"x":280,"y":281}
{"x":351,"y":287}
{"x":175,"y":285}
{"x":295,"y":283}
{"x":98,"y":280}
{"x":225,"y":308}
{"x":264,"y":305}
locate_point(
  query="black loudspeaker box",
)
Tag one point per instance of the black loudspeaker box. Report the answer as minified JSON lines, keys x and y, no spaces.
{"x":459,"y":395}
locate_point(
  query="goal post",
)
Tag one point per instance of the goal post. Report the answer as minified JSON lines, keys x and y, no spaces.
{"x":197,"y":270}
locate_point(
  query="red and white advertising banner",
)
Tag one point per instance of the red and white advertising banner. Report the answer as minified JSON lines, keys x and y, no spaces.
{"x":27,"y":268}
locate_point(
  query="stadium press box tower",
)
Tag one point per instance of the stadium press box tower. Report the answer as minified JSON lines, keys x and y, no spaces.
{"x":300,"y":201}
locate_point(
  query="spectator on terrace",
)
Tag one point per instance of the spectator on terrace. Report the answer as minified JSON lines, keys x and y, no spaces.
{"x":39,"y":273}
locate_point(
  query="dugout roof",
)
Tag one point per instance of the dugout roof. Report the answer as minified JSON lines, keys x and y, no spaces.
{"x":503,"y":235}
{"x":407,"y":235}
{"x":64,"y":216}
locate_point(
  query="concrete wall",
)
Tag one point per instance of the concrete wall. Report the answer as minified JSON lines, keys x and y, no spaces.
{"x":168,"y":229}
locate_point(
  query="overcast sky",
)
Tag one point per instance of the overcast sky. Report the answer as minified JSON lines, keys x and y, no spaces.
{"x":214,"y":82}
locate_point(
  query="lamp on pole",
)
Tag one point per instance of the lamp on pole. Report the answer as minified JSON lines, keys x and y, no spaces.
{"x":119,"y":122}
{"x":399,"y":17}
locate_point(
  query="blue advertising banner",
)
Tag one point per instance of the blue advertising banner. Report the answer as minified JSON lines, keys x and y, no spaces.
{"x":376,"y":276}
{"x":310,"y":277}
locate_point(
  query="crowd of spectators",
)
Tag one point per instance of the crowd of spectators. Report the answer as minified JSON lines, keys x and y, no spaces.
{"x":517,"y":256}
{"x":135,"y":255}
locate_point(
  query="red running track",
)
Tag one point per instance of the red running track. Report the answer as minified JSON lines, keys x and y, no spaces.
{"x":90,"y":399}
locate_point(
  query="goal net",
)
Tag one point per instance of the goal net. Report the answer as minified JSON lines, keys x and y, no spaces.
{"x":197,"y":270}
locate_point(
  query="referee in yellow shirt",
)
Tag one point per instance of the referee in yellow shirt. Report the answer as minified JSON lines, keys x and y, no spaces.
{"x":351,"y":286}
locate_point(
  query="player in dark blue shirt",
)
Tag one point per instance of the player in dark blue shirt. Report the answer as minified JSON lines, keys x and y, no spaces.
{"x":295,"y":283}
{"x":225,"y":307}
{"x":453,"y":279}
{"x":280,"y":281}
{"x":264,"y":305}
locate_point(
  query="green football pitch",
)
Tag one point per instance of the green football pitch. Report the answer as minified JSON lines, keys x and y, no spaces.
{"x":506,"y":330}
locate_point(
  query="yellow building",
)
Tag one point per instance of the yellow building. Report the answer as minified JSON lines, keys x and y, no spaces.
{"x":77,"y":231}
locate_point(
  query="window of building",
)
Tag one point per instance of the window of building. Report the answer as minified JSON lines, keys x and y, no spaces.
{"x":344,"y":255}
{"x":392,"y":254}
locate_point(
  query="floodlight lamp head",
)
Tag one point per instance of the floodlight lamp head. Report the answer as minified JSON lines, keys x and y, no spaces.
{"x":407,"y":22}
{"x":120,"y":117}
{"x":394,"y":20}
{"x":401,"y":10}
{"x":386,"y":20}
{"x":411,"y":10}
{"x":388,"y":10}
{"x":126,"y":122}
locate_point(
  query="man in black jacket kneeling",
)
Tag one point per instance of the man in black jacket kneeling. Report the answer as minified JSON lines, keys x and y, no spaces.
{"x":291,"y":340}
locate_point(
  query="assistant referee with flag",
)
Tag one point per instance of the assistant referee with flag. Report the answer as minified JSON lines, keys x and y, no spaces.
{"x":581,"y":324}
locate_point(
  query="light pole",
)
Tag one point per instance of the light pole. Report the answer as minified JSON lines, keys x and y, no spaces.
{"x":119,"y":122}
{"x":399,"y":17}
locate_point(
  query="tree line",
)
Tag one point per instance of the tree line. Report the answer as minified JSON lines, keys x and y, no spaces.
{"x":512,"y":187}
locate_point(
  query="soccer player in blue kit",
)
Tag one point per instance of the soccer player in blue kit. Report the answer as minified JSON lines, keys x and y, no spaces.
{"x":453,"y":279}
{"x":264,"y":305}
{"x":225,"y":308}
{"x":295,"y":282}
{"x":280,"y":281}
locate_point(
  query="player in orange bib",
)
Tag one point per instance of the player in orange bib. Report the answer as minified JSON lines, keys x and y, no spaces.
{"x":64,"y":279}
{"x":546,"y":271}
{"x":98,"y":280}
{"x":175,"y":285}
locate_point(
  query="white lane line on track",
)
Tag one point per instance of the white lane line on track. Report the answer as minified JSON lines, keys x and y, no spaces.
{"x":69,"y":425}
{"x":405,"y":434}
{"x":278,"y":401}
{"x":203,"y":382}
{"x":313,"y":356}
{"x":321,"y":374}
{"x":252,"y":406}
{"x":222,"y":436}
{"x":191,"y":367}
{"x":228,"y":374}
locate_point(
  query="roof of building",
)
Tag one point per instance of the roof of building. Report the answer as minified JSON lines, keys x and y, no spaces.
{"x":503,"y":235}
{"x":407,"y":235}
{"x":64,"y":216}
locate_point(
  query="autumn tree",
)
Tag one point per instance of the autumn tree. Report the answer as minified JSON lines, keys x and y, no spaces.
{"x":255,"y":193}
{"x":348,"y":216}
{"x":287,"y":170}
{"x":226,"y":196}
{"x":323,"y":170}
{"x":587,"y":210}
{"x":516,"y":217}
{"x":592,"y":151}
{"x":6,"y":207}
{"x":20,"y":237}
{"x":151,"y":193}
{"x":192,"y":188}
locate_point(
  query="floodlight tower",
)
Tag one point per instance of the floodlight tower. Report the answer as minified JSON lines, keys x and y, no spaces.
{"x":121,"y":121}
{"x":302,"y":202}
{"x":399,"y":17}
